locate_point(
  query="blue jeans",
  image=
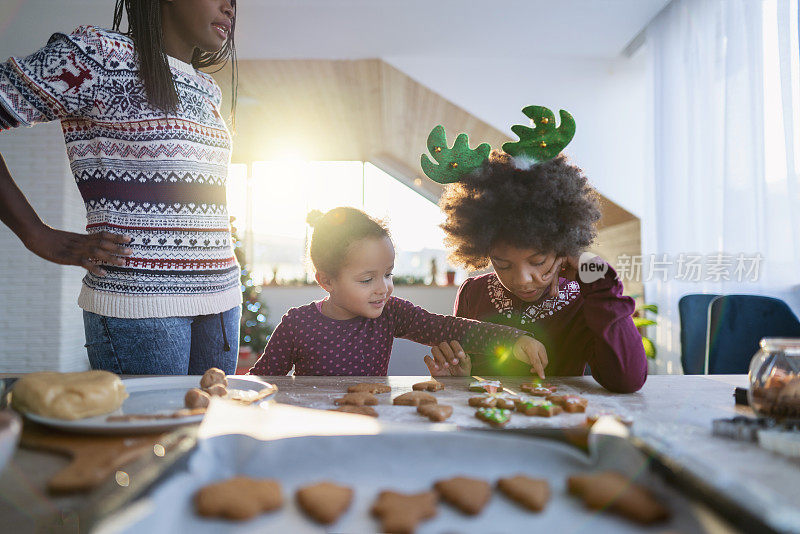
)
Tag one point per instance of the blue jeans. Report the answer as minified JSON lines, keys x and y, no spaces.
{"x":163,"y":346}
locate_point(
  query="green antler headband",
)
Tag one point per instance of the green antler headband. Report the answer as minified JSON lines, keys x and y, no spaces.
{"x":542,"y":142}
{"x":453,"y":162}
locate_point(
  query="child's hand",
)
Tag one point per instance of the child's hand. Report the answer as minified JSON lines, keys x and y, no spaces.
{"x":564,"y":267}
{"x":449,"y":360}
{"x":531,"y":351}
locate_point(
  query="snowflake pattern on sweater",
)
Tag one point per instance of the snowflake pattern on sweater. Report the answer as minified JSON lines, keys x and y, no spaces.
{"x":160,"y":179}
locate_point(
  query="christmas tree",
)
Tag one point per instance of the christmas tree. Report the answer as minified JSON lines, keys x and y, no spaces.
{"x":254,"y":329}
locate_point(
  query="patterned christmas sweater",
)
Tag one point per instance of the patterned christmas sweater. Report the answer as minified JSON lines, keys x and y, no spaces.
{"x":160,"y":179}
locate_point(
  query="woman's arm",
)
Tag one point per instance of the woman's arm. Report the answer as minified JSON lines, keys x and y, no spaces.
{"x":65,"y":248}
{"x":58,"y":81}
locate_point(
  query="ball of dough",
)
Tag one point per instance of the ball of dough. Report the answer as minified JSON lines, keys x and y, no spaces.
{"x":213,"y":376}
{"x":68,"y":396}
{"x":217,"y":390}
{"x":196,"y":398}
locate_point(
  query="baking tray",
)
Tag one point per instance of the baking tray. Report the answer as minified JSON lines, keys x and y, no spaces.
{"x":409,"y":460}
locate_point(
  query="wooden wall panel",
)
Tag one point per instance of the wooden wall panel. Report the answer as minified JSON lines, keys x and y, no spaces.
{"x":367,"y":110}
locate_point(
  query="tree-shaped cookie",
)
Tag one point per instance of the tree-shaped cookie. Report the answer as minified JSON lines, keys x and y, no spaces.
{"x":453,"y":163}
{"x":544,"y":141}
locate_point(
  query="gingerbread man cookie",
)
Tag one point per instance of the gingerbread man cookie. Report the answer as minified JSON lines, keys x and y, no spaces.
{"x":435,"y":412}
{"x":402,"y":512}
{"x":538,"y":406}
{"x":414,"y":398}
{"x":570,"y":403}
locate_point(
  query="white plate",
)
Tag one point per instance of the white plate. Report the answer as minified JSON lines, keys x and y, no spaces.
{"x":155,"y":395}
{"x":408,"y":462}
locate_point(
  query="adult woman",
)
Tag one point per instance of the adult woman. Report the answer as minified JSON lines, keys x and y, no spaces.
{"x":149,"y":151}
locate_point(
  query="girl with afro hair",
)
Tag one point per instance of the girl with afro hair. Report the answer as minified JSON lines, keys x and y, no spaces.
{"x":531,"y":224}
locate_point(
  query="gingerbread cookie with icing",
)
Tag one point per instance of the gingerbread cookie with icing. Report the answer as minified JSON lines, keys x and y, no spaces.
{"x":538,"y":389}
{"x":538,"y":406}
{"x":569,"y":403}
{"x":486,"y":386}
{"x":497,"y":417}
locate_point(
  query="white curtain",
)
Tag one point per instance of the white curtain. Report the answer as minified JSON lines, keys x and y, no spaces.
{"x":726,"y":151}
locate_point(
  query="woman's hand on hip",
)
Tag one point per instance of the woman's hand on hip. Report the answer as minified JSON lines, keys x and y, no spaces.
{"x":84,"y":250}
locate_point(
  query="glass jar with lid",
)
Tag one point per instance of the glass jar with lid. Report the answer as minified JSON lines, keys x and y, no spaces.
{"x":775,"y":378}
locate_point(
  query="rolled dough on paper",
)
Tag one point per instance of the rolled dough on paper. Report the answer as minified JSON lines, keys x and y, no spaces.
{"x":68,"y":395}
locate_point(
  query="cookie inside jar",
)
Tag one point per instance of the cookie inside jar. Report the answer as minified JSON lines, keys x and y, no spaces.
{"x":775,"y":378}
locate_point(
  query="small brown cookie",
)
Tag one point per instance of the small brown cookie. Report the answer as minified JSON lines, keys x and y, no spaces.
{"x":400,"y":513}
{"x":532,"y":493}
{"x":216,"y":390}
{"x":324,"y":502}
{"x":486,"y":386}
{"x":538,"y":389}
{"x":357,"y":399}
{"x":616,"y":492}
{"x":491,"y":400}
{"x":213,"y":376}
{"x":505,"y":403}
{"x":361,"y":410}
{"x":435,"y":412}
{"x":238,"y":498}
{"x":428,"y":385}
{"x":497,"y":417}
{"x":570,"y":403}
{"x":538,"y":406}
{"x":414,"y":398}
{"x":469,"y":495}
{"x":369,"y":387}
{"x":484,"y":401}
{"x":196,"y":398}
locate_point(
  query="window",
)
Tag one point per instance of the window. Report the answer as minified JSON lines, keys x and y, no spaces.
{"x":271,"y":208}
